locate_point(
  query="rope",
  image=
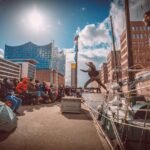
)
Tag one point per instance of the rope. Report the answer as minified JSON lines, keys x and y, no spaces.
{"x":103,"y":134}
{"x":119,"y":141}
{"x":115,"y":130}
{"x":144,"y":87}
{"x":117,"y":135}
{"x":144,"y":126}
{"x":131,"y":125}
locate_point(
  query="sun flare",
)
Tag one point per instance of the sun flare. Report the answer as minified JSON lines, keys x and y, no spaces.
{"x":35,"y":20}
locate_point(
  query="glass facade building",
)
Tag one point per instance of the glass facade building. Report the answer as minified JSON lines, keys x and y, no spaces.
{"x":42,"y":54}
{"x":47,"y":56}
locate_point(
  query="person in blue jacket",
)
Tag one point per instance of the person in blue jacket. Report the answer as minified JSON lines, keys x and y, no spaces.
{"x":10,"y":99}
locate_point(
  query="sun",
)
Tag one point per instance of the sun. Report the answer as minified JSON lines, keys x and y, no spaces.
{"x":35,"y":20}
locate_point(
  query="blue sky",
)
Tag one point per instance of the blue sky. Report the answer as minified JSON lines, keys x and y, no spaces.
{"x":59,"y":20}
{"x":62,"y":18}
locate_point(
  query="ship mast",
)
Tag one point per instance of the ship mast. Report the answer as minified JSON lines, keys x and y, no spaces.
{"x":129,"y":45}
{"x":115,"y":53}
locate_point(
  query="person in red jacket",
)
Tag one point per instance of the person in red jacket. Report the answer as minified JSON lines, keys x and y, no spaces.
{"x":22,"y":86}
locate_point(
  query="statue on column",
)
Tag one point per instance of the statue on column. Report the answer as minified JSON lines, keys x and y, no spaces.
{"x":93,"y":74}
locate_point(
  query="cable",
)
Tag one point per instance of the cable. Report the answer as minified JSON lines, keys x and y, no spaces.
{"x":141,"y":127}
{"x":144,"y":126}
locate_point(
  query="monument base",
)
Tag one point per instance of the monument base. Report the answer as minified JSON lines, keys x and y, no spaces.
{"x":71,"y":105}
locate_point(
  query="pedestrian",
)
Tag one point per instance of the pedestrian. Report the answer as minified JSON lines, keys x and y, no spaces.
{"x":38,"y":88}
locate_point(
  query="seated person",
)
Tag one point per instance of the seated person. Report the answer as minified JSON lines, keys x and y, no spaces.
{"x":22,"y":86}
{"x":42,"y":91}
{"x":38,"y":89}
{"x":31,"y":95}
{"x":22,"y":89}
{"x":10,"y":99}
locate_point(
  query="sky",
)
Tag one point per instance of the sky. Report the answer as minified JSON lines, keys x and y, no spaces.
{"x":61,"y":18}
{"x":42,"y":21}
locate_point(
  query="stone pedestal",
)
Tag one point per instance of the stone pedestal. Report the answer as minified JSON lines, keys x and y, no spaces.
{"x":71,"y":105}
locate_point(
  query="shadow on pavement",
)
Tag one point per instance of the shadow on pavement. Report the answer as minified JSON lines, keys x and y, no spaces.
{"x":84,"y":115}
{"x":5,"y":135}
{"x":31,"y":108}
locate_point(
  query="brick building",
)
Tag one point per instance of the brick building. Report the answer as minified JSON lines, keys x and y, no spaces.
{"x":100,"y":76}
{"x":111,"y":65}
{"x":51,"y":76}
{"x":104,"y":73}
{"x":140,"y":85}
{"x":140,"y":47}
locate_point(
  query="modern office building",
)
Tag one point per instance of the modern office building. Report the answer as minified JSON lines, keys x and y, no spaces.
{"x":58,"y":79}
{"x":51,"y":76}
{"x":111,"y":65}
{"x":49,"y":59}
{"x":140,"y":47}
{"x":9,"y":69}
{"x":104,"y":73}
{"x":27,"y":68}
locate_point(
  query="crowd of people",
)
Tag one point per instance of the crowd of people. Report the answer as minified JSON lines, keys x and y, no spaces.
{"x":15,"y":93}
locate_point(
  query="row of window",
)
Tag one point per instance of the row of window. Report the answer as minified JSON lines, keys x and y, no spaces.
{"x":7,"y":62}
{"x":10,"y":66}
{"x":141,"y":28}
{"x":9,"y":70}
{"x":140,"y":36}
{"x":9,"y":74}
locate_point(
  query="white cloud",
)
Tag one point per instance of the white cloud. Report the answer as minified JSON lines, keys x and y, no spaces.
{"x":59,"y":22}
{"x":92,"y":35}
{"x":99,"y":52}
{"x":118,"y":19}
{"x":69,"y":59}
{"x":138,"y":8}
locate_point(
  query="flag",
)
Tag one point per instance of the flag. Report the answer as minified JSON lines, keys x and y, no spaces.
{"x":76,"y":40}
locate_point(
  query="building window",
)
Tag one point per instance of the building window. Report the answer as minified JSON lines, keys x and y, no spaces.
{"x":141,"y":28}
{"x":133,"y":36}
{"x":145,"y":36}
{"x":137,"y":28}
{"x":141,"y":36}
{"x":137,"y":36}
{"x":132,"y":28}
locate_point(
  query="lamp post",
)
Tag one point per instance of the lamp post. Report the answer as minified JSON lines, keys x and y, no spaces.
{"x":76,"y":60}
